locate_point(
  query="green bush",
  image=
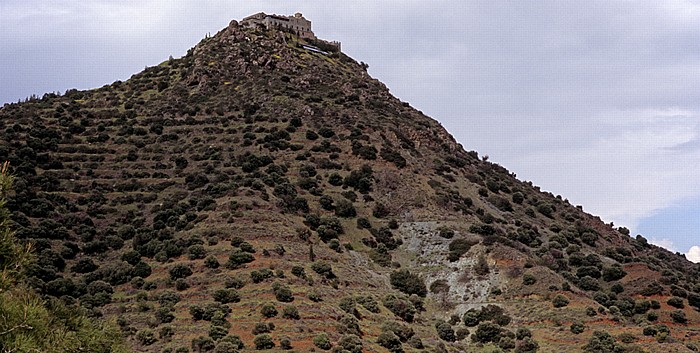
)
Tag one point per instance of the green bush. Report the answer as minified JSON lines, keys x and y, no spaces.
{"x":239,"y":258}
{"x":282,"y":293}
{"x":180,"y":271}
{"x":560,"y":301}
{"x":487,"y":332}
{"x":400,"y":306}
{"x":263,"y":342}
{"x":678,"y":316}
{"x":196,"y":251}
{"x":676,"y":302}
{"x":211,"y":262}
{"x":390,"y":341}
{"x":146,"y":337}
{"x":217,"y":332}
{"x":322,"y":341}
{"x":268,"y":310}
{"x":445,"y":331}
{"x":613,"y":273}
{"x":262,"y":327}
{"x":527,"y":345}
{"x":408,"y":283}
{"x":577,"y":327}
{"x":203,"y":344}
{"x":323,"y":269}
{"x":291,"y":312}
{"x":459,"y":247}
{"x":351,"y":343}
{"x":600,"y":342}
{"x":225,"y":296}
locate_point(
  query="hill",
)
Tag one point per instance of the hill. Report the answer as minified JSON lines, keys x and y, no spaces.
{"x":264,"y":192}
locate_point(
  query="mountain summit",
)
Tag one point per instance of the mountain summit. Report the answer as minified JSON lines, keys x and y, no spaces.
{"x":263,"y":192}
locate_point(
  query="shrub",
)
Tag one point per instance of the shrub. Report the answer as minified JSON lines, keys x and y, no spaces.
{"x":678,"y":316}
{"x":487,"y":332}
{"x":459,"y":247}
{"x":676,"y":302}
{"x":527,"y":345}
{"x":146,"y":337}
{"x":408,"y":283}
{"x":323,"y":269}
{"x":369,"y":303}
{"x":263,"y":342}
{"x":225,"y":296}
{"x":322,"y":341}
{"x":234,"y":340}
{"x":577,"y":327}
{"x":291,"y":312}
{"x":164,"y":315}
{"x":560,"y":301}
{"x":203,"y":344}
{"x":225,"y":347}
{"x":217,"y":332}
{"x":471,"y":318}
{"x":445,"y":331}
{"x":196,"y":251}
{"x":345,"y":209}
{"x":261,"y":275}
{"x":403,"y":332}
{"x":349,"y":324}
{"x":282,"y":293}
{"x":239,"y":258}
{"x":523,"y":333}
{"x":589,"y":284}
{"x":613,"y":273}
{"x":506,"y":343}
{"x":286,"y":343}
{"x":262,"y":327}
{"x":268,"y":310}
{"x":180,"y":271}
{"x":600,"y":342}
{"x":415,"y":342}
{"x":390,"y":341}
{"x":298,"y":271}
{"x":351,"y":343}
{"x":211,"y":262}
{"x":400,"y":307}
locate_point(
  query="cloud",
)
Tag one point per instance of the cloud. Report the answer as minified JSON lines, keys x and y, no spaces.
{"x":693,"y":254}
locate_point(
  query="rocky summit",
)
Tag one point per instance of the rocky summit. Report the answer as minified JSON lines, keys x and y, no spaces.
{"x":264,"y":192}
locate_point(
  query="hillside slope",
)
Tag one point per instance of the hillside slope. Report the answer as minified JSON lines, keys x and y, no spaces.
{"x":255,"y":193}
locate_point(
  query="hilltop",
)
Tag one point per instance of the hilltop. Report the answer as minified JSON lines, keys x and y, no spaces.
{"x":265,"y":191}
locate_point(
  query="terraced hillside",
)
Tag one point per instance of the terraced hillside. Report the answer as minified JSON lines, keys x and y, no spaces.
{"x":255,"y":195}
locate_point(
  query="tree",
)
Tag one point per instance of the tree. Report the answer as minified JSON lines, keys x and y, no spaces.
{"x":31,"y":324}
{"x":408,"y":283}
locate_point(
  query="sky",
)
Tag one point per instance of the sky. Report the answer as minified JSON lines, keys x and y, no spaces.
{"x":597,"y":101}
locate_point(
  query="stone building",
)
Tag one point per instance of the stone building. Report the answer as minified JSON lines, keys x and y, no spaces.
{"x":297,"y":23}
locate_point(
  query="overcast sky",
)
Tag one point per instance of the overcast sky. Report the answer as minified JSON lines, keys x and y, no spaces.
{"x":598,"y":101}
